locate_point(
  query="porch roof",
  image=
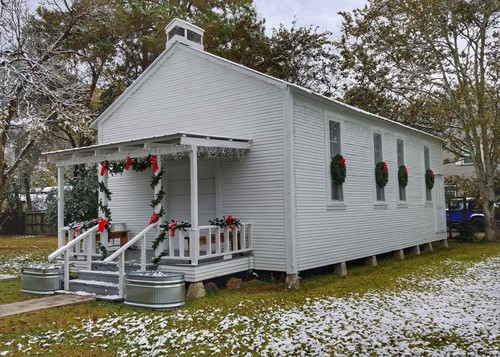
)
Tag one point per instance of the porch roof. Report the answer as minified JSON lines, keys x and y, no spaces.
{"x":175,"y":145}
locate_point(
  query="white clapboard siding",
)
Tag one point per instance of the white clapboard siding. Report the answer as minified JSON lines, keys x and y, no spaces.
{"x":196,"y":93}
{"x":326,"y":235}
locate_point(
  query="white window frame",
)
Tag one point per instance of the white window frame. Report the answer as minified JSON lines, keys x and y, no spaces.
{"x":378,"y":202}
{"x":427,"y":165}
{"x":331,"y":203}
{"x":398,"y":164}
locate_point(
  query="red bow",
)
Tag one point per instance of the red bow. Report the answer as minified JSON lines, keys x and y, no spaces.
{"x":229,"y":222}
{"x":384,"y":168}
{"x":77,"y":228}
{"x":153,"y":218}
{"x":154,"y":161}
{"x":128,"y":162}
{"x":101,"y":224}
{"x":342,"y":163}
{"x":431,"y":173}
{"x":103,"y":167}
{"x":171,"y":226}
{"x":405,"y":171}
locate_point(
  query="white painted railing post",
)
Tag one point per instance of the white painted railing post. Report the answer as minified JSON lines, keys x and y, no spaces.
{"x":143,"y":253}
{"x":121,"y":274}
{"x":194,"y":241}
{"x":60,"y":207}
{"x":66,"y":270}
{"x":104,"y":200}
{"x":158,"y":207}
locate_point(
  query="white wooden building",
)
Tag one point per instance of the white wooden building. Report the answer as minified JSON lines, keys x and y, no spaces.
{"x":233,"y":141}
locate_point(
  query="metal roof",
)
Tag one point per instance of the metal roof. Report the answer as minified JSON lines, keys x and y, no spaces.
{"x":177,"y":144}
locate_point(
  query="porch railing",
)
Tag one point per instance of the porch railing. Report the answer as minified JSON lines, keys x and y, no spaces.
{"x":120,"y":254}
{"x":82,"y":244}
{"x":209,"y":242}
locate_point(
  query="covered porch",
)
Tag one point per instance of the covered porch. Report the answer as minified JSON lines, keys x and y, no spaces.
{"x":200,"y":251}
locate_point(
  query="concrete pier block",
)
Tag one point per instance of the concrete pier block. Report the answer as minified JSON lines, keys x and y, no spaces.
{"x":444,"y":243}
{"x":415,"y":250}
{"x":428,"y":247}
{"x":292,"y":281}
{"x":340,"y":269}
{"x":399,"y":254}
{"x":195,"y":291}
{"x":371,"y":261}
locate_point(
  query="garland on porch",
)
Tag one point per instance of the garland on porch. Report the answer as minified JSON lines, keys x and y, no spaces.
{"x":223,"y":222}
{"x":338,"y":169}
{"x":157,"y":259}
{"x":429,"y":179}
{"x":381,"y":174}
{"x":172,"y":226}
{"x":403,"y":176}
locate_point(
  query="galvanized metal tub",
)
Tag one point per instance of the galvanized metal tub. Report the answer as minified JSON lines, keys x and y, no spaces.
{"x":155,"y":289}
{"x":41,"y":278}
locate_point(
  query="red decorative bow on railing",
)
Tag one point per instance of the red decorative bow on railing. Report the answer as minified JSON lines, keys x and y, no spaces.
{"x":128,"y":162}
{"x":229,"y":222}
{"x":153,"y":219}
{"x":171,"y":227}
{"x":101,"y":224}
{"x":77,"y":228}
{"x":153,"y":159}
{"x":103,"y":168}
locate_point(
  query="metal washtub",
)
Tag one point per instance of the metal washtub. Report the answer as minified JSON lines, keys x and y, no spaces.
{"x":41,"y":278}
{"x":157,"y":289}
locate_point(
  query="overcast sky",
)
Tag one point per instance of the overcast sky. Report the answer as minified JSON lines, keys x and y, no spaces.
{"x":322,"y":13}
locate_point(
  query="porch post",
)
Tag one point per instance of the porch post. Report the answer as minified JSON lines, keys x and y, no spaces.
{"x":158,"y":207}
{"x":60,"y":206}
{"x":103,"y":199}
{"x":194,"y":235}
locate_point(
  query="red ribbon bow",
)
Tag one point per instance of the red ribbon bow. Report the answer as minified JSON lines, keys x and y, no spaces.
{"x":342,"y":163}
{"x":431,"y":173}
{"x":103,"y":167}
{"x":77,"y":228}
{"x":101,"y":224}
{"x":384,"y":168}
{"x":229,"y":222}
{"x":128,"y":162}
{"x":154,"y":161}
{"x":153,"y":219}
{"x":405,"y":171}
{"x":171,"y":227}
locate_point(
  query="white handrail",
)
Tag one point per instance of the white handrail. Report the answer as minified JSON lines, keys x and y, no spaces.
{"x":120,"y":253}
{"x":130,"y":243}
{"x":72,"y":243}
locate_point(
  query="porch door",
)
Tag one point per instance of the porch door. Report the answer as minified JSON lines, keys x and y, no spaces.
{"x":440,"y":214}
{"x":178,"y":196}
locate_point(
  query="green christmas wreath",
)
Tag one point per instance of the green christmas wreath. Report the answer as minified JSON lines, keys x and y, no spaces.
{"x":338,"y":169}
{"x":403,"y":176}
{"x":381,"y":174}
{"x":429,"y":179}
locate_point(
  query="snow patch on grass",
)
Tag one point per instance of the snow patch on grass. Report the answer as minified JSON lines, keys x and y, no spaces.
{"x":457,"y":315}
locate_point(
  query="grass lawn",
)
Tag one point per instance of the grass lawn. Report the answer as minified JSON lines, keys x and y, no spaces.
{"x":423,"y":304}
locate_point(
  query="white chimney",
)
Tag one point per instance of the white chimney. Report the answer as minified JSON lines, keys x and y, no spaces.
{"x":184,"y":32}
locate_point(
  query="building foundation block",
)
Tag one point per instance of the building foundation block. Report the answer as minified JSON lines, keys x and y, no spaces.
{"x":428,"y":247}
{"x":195,"y":291}
{"x":444,"y":243}
{"x":292,"y":281}
{"x":371,"y":261}
{"x":399,"y":254}
{"x":340,"y":269}
{"x":415,"y":250}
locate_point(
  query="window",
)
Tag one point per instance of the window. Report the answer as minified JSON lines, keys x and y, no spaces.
{"x":193,"y":36}
{"x":337,"y":193}
{"x":377,"y":152}
{"x":467,"y":159}
{"x":427,"y":163}
{"x":177,"y":30}
{"x":401,"y":161}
